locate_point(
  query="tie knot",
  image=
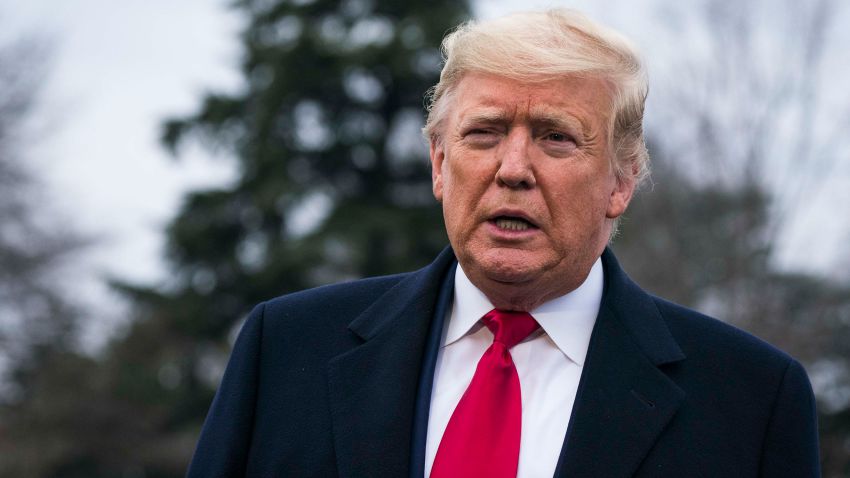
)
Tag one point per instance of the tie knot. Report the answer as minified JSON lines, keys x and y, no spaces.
{"x":509,"y":327}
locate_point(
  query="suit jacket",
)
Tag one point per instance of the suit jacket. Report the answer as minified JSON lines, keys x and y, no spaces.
{"x":329,"y":382}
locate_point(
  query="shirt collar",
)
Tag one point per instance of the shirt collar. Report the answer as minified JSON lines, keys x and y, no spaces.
{"x":568,"y":319}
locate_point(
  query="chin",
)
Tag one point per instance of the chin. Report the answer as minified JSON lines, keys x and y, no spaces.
{"x":511,"y":279}
{"x":508,"y":268}
{"x":511,"y":292}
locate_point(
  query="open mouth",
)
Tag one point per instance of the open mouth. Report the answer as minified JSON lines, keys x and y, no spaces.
{"x":509,"y":223}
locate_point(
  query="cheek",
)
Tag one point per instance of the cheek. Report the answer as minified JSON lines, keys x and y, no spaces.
{"x":453,"y":199}
{"x":462,"y":179}
{"x":463,"y":192}
{"x":577,"y":201}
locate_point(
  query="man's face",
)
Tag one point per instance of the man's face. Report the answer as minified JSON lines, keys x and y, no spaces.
{"x":523,"y":171}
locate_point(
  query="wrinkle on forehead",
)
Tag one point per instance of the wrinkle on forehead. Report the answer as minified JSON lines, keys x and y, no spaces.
{"x":583,"y":105}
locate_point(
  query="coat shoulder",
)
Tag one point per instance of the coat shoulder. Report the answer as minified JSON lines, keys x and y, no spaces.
{"x":755,"y":399}
{"x":701,"y":334}
{"x":360,"y":290}
{"x":335,"y":303}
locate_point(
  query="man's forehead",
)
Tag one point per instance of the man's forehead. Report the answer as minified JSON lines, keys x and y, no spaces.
{"x":506,"y":113}
{"x":499,"y":98}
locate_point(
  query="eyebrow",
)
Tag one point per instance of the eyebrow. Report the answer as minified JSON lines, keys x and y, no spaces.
{"x":568,"y":122}
{"x":554,"y":118}
{"x":545,"y":117}
{"x":537,"y":120}
{"x":488,"y":115}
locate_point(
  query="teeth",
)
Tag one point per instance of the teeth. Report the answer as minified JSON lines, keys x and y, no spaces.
{"x":512,"y":224}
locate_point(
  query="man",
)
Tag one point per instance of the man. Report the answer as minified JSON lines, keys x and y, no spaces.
{"x":523,"y":350}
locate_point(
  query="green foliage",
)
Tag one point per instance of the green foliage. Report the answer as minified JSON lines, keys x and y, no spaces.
{"x":333,"y":184}
{"x":334,"y":180}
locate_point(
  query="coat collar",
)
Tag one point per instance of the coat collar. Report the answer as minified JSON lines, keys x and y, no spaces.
{"x":623,"y":403}
{"x":373,"y":387}
{"x":624,"y":400}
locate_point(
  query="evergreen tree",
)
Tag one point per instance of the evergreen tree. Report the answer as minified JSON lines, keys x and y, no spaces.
{"x":333,"y":176}
{"x":333,"y":184}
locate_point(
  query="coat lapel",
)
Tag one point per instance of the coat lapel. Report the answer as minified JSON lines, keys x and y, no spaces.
{"x":373,"y":387}
{"x":624,"y":400}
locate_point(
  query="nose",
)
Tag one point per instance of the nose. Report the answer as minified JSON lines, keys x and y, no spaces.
{"x":515,"y":168}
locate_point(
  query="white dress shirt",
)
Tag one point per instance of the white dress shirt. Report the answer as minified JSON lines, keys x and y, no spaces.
{"x":549,"y":364}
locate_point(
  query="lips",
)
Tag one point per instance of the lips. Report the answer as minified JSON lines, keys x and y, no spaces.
{"x":512,"y":221}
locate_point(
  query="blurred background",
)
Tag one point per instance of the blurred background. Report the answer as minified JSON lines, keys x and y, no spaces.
{"x":166,"y":165}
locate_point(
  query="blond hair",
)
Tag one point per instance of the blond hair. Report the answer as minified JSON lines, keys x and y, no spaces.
{"x":539,"y":46}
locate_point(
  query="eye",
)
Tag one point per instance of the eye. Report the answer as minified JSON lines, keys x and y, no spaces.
{"x":557,"y":143}
{"x":481,"y":137}
{"x":558,"y":137}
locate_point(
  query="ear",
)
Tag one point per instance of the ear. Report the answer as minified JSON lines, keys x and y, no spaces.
{"x":620,"y":197}
{"x":438,"y":155}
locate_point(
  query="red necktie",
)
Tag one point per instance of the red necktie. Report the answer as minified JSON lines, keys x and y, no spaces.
{"x":482,"y":437}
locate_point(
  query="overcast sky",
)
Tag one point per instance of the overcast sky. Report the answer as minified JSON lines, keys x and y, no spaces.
{"x":117,"y":69}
